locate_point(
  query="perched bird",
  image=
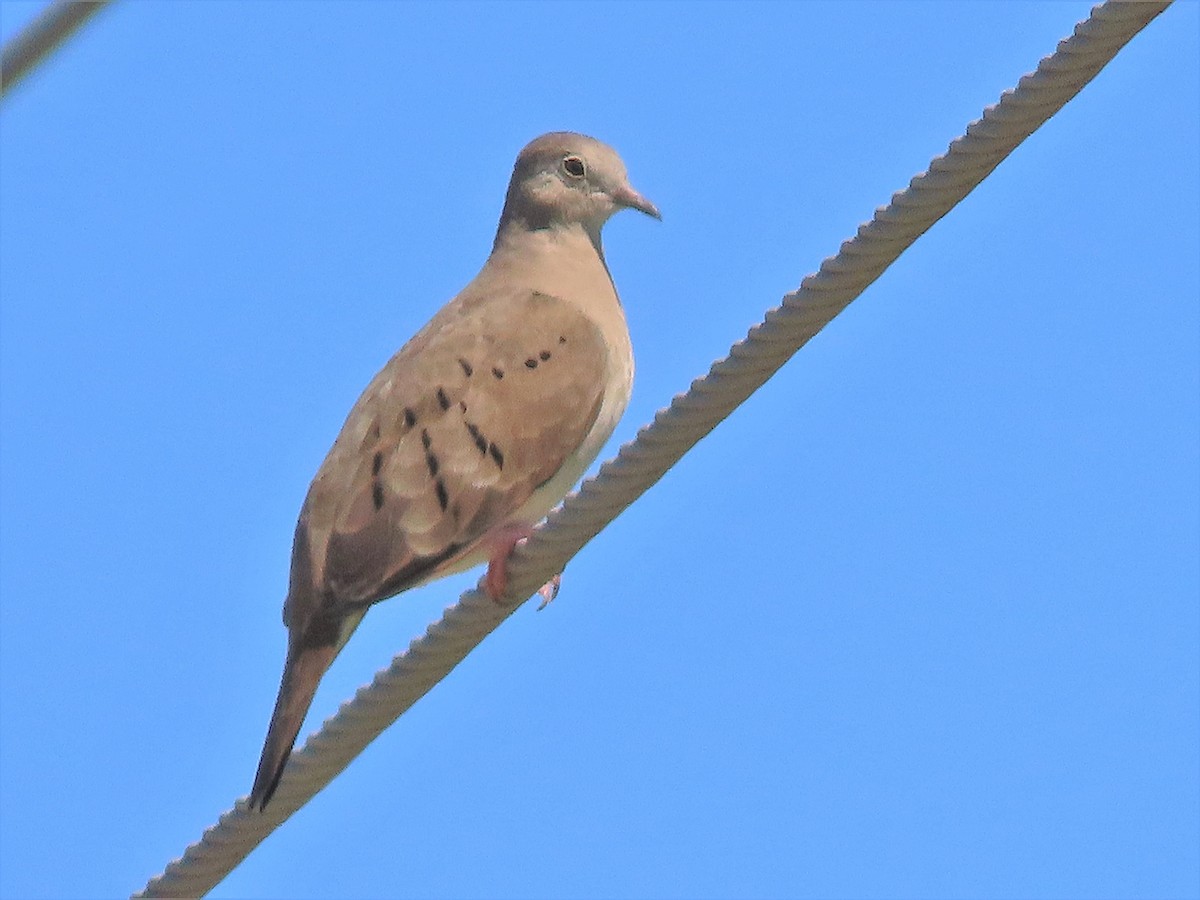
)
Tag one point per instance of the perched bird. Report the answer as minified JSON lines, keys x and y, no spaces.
{"x":474,"y":430}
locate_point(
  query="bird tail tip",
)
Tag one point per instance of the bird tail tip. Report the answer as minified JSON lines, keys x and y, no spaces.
{"x":301,"y":675}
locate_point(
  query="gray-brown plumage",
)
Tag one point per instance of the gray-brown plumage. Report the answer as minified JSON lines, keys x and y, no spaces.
{"x":474,"y":430}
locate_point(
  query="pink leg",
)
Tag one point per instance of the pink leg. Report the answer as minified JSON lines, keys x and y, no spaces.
{"x":503,"y":543}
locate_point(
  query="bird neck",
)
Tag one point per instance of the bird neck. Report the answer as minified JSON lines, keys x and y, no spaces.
{"x":570,"y":249}
{"x":518,"y":227}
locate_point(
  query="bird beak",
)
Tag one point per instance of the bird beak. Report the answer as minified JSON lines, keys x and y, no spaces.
{"x":627,"y":196}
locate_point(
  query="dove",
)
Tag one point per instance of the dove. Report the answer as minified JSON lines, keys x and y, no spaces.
{"x":474,"y":430}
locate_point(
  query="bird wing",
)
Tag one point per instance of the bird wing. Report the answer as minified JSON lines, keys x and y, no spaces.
{"x":453,"y":435}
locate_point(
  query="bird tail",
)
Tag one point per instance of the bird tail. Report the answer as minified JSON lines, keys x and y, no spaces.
{"x":302,"y":672}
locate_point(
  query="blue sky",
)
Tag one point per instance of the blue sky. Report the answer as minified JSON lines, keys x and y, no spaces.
{"x":919,"y":620}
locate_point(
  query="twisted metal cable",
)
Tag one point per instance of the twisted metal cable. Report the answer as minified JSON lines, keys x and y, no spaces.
{"x":660,"y":445}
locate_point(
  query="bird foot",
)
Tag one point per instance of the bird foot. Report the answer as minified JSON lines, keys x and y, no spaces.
{"x":503,"y":543}
{"x":549,"y":591}
{"x":495,"y":582}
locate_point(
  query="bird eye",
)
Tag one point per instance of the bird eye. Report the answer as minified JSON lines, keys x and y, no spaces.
{"x":574,"y":166}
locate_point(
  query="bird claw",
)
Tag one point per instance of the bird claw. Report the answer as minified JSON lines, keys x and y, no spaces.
{"x":495,"y":582}
{"x":549,"y":591}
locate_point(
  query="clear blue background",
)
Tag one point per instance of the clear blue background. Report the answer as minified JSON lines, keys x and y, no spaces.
{"x":919,"y":620}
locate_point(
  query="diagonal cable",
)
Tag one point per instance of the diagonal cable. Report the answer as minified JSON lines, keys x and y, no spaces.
{"x":658,"y":446}
{"x":57,"y":22}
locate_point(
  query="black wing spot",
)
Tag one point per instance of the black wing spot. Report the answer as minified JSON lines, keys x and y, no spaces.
{"x":477,"y":437}
{"x":496,"y":455}
{"x":432,"y":462}
{"x":410,"y":417}
{"x":466,"y":367}
{"x":377,"y":464}
{"x":443,"y":400}
{"x":377,"y":495}
{"x":462,"y":405}
{"x":498,"y":372}
{"x":442,"y":497}
{"x":426,"y":440}
{"x":544,"y":355}
{"x":531,"y":363}
{"x":561,"y":339}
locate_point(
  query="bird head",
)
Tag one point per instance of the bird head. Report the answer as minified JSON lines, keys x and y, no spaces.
{"x":563,"y":179}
